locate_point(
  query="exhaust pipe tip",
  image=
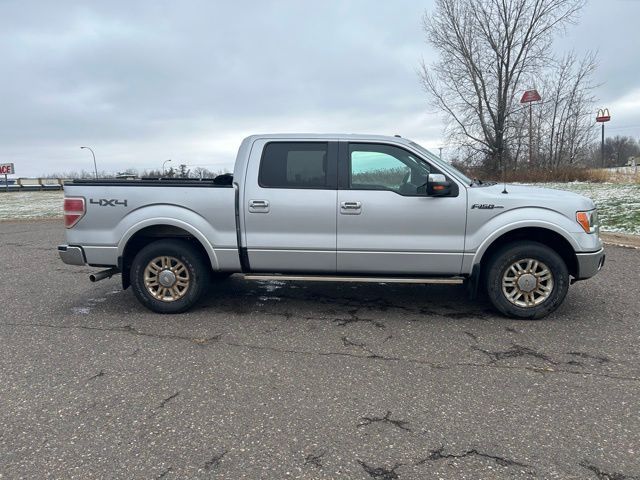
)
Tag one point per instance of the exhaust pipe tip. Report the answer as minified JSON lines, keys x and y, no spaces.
{"x":96,"y":277}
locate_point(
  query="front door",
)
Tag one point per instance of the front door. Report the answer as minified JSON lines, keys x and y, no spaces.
{"x":290,"y":207}
{"x":387,"y":224}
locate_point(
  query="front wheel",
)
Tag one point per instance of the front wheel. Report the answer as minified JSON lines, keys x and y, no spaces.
{"x":526,"y":280}
{"x":169,"y":276}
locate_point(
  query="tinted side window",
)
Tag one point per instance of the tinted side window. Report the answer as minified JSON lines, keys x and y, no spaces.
{"x":385,"y":167}
{"x":376,"y":169}
{"x":294,"y":165}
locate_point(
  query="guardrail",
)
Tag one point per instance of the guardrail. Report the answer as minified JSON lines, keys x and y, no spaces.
{"x":32,"y":184}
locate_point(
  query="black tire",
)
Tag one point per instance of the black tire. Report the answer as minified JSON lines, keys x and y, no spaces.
{"x":197,"y":276}
{"x":502,"y":260}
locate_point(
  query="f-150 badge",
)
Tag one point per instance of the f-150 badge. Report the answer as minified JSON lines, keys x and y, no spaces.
{"x":485,"y":206}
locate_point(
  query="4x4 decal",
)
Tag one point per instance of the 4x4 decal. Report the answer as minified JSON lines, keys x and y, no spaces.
{"x":103,"y":202}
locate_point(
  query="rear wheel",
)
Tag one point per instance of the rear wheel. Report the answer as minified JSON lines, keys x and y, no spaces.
{"x":169,"y":276}
{"x":526,"y":280}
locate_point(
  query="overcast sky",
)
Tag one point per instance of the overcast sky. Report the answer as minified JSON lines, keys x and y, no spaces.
{"x":146,"y":81}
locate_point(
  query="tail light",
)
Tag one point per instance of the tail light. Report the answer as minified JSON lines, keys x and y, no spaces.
{"x":74,"y":210}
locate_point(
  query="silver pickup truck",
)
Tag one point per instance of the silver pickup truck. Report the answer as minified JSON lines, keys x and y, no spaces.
{"x":337,"y":208}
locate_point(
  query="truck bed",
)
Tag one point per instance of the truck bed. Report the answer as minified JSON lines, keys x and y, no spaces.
{"x":115,"y":211}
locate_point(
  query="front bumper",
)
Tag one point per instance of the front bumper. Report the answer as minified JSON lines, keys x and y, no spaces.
{"x":71,"y":255}
{"x":589,"y":264}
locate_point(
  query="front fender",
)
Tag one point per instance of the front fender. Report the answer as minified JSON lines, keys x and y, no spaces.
{"x":481,"y":237}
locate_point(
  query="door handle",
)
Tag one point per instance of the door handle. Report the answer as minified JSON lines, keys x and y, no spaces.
{"x":259,"y":206}
{"x":350,"y":208}
{"x":351,"y":205}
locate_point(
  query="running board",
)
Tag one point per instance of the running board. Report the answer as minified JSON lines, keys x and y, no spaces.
{"x":323,"y":278}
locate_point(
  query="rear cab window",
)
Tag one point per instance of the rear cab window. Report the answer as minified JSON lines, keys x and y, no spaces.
{"x":298,"y":165}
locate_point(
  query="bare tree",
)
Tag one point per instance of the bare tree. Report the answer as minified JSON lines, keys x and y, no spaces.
{"x":569,"y":115}
{"x":183,"y":171}
{"x":487,"y":50}
{"x":201,"y":172}
{"x":618,"y":151}
{"x":563,"y":124}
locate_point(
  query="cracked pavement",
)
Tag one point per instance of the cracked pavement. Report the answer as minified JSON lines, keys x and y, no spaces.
{"x":311,"y":380}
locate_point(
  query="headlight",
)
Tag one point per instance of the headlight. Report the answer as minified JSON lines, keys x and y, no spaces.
{"x":588,"y":221}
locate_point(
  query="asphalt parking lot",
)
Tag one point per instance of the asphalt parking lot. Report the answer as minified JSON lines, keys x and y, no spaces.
{"x":302,"y":380}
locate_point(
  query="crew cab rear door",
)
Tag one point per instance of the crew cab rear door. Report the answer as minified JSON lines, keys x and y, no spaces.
{"x":289,"y":206}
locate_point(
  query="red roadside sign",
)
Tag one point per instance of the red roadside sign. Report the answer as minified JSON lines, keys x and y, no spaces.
{"x":530,"y":96}
{"x":603,"y":115}
{"x":6,"y":169}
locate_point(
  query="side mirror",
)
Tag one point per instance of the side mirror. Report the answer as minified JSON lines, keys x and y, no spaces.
{"x":438,"y":185}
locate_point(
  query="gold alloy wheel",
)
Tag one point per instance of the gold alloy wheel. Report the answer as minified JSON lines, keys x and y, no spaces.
{"x":166,"y":278}
{"x":527,"y":283}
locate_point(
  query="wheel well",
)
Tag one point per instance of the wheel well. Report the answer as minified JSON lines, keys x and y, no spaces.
{"x":144,"y":237}
{"x":551,"y":239}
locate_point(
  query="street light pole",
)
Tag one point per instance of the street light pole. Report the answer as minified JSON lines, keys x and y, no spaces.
{"x":95,"y":167}
{"x":163,"y":164}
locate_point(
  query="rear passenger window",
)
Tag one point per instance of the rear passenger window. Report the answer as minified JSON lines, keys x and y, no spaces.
{"x":294,"y":165}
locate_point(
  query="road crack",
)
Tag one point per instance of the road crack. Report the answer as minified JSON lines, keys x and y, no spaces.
{"x":168,"y":399}
{"x":101,"y":373}
{"x":124,"y":329}
{"x":214,"y":461}
{"x":587,"y":356}
{"x":363,"y":346}
{"x":602,"y":475}
{"x":381,"y":472}
{"x":355,"y":318}
{"x":438,"y":454}
{"x":514,"y":352}
{"x":401,"y":424}
{"x":216,"y":339}
{"x":314,"y":459}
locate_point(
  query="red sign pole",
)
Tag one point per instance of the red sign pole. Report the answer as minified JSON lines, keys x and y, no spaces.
{"x":530,"y":134}
{"x":603,"y":116}
{"x":529,"y":97}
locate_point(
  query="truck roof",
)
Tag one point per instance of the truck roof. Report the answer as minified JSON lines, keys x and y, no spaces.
{"x":245,"y":146}
{"x":329,"y":136}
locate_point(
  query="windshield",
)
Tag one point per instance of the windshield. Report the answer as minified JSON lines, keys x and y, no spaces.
{"x":430,"y":156}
